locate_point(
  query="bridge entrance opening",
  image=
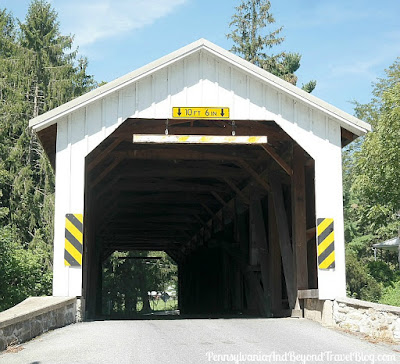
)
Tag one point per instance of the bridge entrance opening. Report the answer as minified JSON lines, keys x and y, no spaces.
{"x":238,"y":220}
{"x":138,"y":283}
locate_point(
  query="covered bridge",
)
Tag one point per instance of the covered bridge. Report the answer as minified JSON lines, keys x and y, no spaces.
{"x":233,"y":172}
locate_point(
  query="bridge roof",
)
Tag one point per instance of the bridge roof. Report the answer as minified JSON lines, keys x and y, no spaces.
{"x":346,"y":121}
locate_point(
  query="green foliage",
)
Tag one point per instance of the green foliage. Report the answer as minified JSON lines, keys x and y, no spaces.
{"x":252,"y":40}
{"x":371,"y":176}
{"x":23,"y":270}
{"x":126,"y":282}
{"x":383,"y":273}
{"x":360,"y":283}
{"x":39,"y":70}
{"x":391,"y":295}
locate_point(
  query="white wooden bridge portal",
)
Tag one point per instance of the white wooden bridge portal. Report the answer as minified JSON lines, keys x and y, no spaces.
{"x":250,"y":209}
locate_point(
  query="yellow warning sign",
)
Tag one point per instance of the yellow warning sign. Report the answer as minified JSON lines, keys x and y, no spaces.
{"x":326,"y":243}
{"x":200,"y":112}
{"x":73,"y":240}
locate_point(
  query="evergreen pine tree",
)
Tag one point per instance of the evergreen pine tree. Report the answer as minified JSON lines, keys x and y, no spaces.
{"x":39,"y":70}
{"x":252,"y":40}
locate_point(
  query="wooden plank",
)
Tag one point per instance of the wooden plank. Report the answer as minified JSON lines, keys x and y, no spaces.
{"x":197,"y":139}
{"x":237,"y":190}
{"x":199,"y":219}
{"x":104,"y":154}
{"x":254,"y":258}
{"x":275,"y":260}
{"x":241,"y":239}
{"x":125,"y":131}
{"x":277,"y":158}
{"x":106,"y":171}
{"x":255,"y":295}
{"x":311,"y":233}
{"x":219,"y":199}
{"x":299,"y":217}
{"x":161,"y":185}
{"x":249,"y":290}
{"x":181,"y":154}
{"x":150,"y":227}
{"x":186,"y":198}
{"x":348,"y":135}
{"x":170,"y":170}
{"x":212,"y":214}
{"x":284,"y":239}
{"x":308,"y":293}
{"x":140,"y":209}
{"x":259,"y":238}
{"x":226,"y":289}
{"x":254,"y":174}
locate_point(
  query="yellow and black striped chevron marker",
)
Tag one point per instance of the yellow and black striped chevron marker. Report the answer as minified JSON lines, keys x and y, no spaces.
{"x":73,"y":240}
{"x":326,"y":243}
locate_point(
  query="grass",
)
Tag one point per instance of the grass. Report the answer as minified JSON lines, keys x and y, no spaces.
{"x":159,"y":305}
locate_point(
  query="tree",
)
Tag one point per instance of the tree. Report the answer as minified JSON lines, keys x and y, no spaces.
{"x":371,"y":173}
{"x":22,"y":272}
{"x":251,"y":40}
{"x":126,"y":281}
{"x":39,"y":70}
{"x":377,"y":162}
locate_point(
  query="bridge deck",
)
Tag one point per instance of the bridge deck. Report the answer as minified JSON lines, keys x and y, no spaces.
{"x":193,"y":341}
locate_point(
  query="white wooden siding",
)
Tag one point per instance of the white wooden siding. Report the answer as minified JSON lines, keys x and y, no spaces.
{"x":200,"y":79}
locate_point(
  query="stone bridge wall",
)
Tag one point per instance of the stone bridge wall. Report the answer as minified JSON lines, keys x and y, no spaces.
{"x":35,"y":316}
{"x":367,"y":318}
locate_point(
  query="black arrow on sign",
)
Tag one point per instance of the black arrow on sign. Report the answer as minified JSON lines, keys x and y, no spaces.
{"x":222,"y":112}
{"x":179,"y":112}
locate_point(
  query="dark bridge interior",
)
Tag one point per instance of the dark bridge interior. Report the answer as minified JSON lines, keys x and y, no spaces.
{"x":239,"y":220}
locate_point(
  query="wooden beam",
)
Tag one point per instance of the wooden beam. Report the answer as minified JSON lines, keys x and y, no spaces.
{"x":104,"y":154}
{"x":150,"y":227}
{"x":106,"y":171}
{"x":197,"y":139}
{"x":299,"y":217}
{"x":278,"y":159}
{"x":254,"y":174}
{"x":205,"y":207}
{"x":219,"y":199}
{"x":143,"y":210}
{"x":209,"y":129}
{"x":171,"y":170}
{"x":258,"y":238}
{"x":147,"y":219}
{"x":160,"y":185}
{"x":257,"y":294}
{"x":153,"y":235}
{"x":311,"y":233}
{"x":184,"y":154}
{"x":308,"y":293}
{"x":284,"y":239}
{"x":106,"y":187}
{"x":214,"y":214}
{"x":275,"y":260}
{"x":237,"y":190}
{"x":347,"y":134}
{"x":185,"y":198}
{"x":199,"y":219}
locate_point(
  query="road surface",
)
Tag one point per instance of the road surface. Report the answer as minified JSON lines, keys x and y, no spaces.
{"x":200,"y":341}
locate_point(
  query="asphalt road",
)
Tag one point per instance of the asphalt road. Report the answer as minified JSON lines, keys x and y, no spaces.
{"x":200,"y":341}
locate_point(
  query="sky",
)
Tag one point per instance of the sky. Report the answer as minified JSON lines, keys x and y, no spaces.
{"x":345,"y":44}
